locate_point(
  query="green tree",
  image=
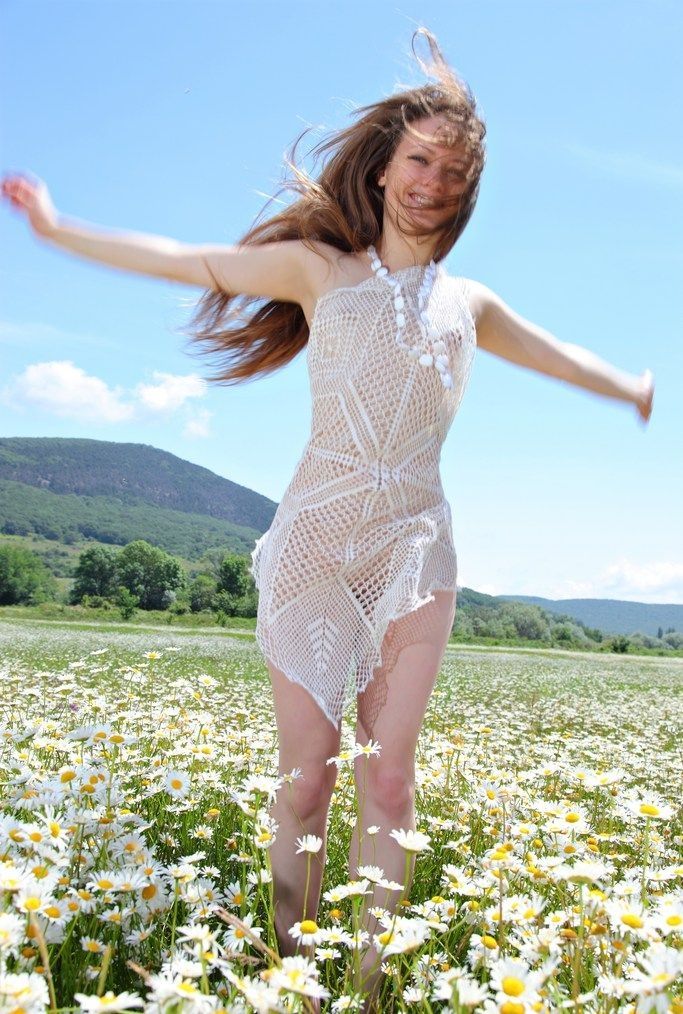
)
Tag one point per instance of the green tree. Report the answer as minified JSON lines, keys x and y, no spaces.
{"x":150,"y":574}
{"x":233,"y":576}
{"x":202,"y":592}
{"x":127,"y":603}
{"x":24,"y":578}
{"x":95,"y":574}
{"x":529,"y":622}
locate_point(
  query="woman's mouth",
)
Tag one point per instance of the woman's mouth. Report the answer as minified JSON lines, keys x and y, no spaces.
{"x":421,"y":201}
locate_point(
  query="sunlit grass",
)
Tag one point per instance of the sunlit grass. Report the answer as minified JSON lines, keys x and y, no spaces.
{"x":136,"y":774}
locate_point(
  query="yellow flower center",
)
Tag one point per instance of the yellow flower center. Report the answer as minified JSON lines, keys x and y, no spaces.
{"x":649,"y":811}
{"x":572,"y":818}
{"x":489,"y":942}
{"x":511,"y":1008}
{"x":512,"y":985}
{"x":673,"y":920}
{"x":632,"y":920}
{"x":309,"y":926}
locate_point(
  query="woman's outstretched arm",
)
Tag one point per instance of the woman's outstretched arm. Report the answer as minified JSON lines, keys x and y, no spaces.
{"x":505,"y":333}
{"x":274,"y":270}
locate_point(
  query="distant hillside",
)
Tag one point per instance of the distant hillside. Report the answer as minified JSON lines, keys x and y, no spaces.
{"x":74,"y":490}
{"x":614,"y":616}
{"x":133,"y":473}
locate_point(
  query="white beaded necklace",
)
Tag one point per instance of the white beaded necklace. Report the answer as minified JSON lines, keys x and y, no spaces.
{"x":433,"y":351}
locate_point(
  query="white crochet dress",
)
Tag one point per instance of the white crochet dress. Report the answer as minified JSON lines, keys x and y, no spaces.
{"x":362,"y":536}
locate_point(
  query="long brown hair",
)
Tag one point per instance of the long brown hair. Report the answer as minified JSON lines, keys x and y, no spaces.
{"x":344,"y":207}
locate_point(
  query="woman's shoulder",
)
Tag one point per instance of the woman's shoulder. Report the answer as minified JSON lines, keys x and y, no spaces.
{"x":478,"y":295}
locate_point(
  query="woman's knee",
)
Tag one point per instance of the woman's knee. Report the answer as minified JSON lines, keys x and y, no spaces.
{"x":309,"y":794}
{"x":388,"y":785}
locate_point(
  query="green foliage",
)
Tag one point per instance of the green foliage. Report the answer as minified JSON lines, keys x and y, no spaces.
{"x":202,"y":593}
{"x":67,"y":517}
{"x":233,"y":575}
{"x":23,"y":577}
{"x":127,"y":603}
{"x":236,"y":594}
{"x":96,"y":574}
{"x":619,"y":644}
{"x":150,"y":574}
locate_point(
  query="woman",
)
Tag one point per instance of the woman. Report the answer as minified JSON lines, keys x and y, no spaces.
{"x":357,"y":574}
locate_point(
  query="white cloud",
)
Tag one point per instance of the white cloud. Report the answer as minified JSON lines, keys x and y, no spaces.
{"x":198,"y":424}
{"x":657,"y":581}
{"x":629,"y":165}
{"x":66,"y":390}
{"x":170,"y":391}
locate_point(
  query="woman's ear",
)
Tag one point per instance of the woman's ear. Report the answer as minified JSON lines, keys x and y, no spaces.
{"x":381,"y":179}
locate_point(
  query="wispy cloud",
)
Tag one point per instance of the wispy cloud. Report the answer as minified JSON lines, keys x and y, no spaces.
{"x":197,"y":426}
{"x":65,"y":390}
{"x":629,"y":165}
{"x":170,"y":391}
{"x":657,"y":581}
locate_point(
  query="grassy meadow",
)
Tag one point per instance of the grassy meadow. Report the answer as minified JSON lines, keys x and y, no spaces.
{"x":136,"y":770}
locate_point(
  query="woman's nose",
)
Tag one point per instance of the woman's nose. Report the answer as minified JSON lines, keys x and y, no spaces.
{"x":436,"y":177}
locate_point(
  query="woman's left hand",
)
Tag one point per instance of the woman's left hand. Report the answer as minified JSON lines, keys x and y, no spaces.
{"x":645,"y":396}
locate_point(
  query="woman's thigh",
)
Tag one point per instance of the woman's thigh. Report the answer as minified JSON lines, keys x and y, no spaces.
{"x":391,"y":710}
{"x":306,"y":737}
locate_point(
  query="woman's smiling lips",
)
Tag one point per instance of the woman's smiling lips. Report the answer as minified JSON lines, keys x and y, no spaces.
{"x":422,"y":202}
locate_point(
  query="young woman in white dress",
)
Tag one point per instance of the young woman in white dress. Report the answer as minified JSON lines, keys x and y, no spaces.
{"x":396,"y":194}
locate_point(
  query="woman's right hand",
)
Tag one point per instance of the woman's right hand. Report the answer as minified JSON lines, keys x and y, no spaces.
{"x":645,"y":396}
{"x":31,"y":196}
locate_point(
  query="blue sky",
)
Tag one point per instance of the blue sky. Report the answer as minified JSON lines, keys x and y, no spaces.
{"x":172,"y":118}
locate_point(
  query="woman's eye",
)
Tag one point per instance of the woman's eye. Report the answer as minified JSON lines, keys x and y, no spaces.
{"x":419,"y":158}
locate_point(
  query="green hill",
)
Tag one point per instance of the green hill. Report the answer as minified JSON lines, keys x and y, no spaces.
{"x":75,"y":490}
{"x":614,"y":616}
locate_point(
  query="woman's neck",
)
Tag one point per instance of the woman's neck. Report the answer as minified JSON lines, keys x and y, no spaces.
{"x":398,"y":252}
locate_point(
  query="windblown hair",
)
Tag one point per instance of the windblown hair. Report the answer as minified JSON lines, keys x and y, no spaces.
{"x":344,"y":208}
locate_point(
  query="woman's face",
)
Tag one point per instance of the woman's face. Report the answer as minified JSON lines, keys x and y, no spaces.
{"x":425,"y":178}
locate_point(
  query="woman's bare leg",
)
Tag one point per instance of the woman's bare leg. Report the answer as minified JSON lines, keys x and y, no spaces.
{"x":386,"y":784}
{"x":306,"y":738}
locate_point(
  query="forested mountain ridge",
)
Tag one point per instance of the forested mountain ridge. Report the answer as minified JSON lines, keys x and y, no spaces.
{"x":133,"y":473}
{"x":614,"y":616}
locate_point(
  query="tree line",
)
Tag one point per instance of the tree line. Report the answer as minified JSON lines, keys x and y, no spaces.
{"x":138,"y":576}
{"x":141,"y":576}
